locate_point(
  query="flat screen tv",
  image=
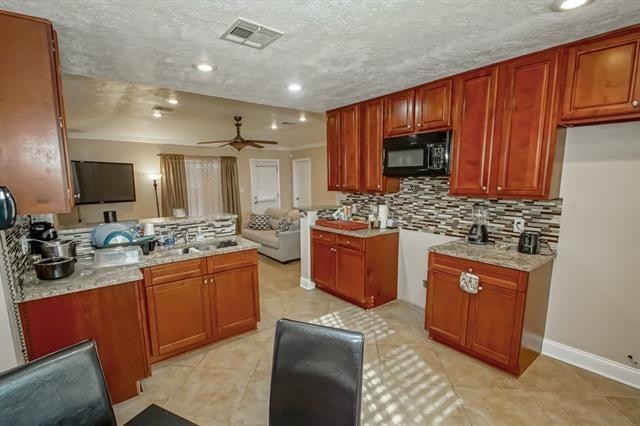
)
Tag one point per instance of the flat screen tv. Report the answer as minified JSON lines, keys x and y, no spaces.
{"x":97,"y":182}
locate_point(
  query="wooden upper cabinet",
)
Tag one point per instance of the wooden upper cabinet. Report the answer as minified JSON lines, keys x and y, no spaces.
{"x":371,"y":117}
{"x":33,"y":152}
{"x":526,"y":126}
{"x":333,"y":150}
{"x":349,"y":149}
{"x":473,"y":131}
{"x":398,"y":113}
{"x":603,"y":80}
{"x":433,"y":106}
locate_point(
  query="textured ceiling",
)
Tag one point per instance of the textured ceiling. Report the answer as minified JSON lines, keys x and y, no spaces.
{"x":341,"y":51}
{"x":115,"y":110}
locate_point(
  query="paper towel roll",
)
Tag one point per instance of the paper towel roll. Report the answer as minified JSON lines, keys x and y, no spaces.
{"x":383,"y":215}
{"x":149,"y":229}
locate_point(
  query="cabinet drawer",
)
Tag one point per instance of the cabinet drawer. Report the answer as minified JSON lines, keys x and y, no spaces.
{"x":175,"y":271}
{"x":492,"y":274}
{"x":223,"y":262}
{"x":351,"y":242}
{"x":328,"y":237}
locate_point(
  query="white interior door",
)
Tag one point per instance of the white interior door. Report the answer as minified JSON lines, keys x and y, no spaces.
{"x":302,"y":182}
{"x":265,"y":184}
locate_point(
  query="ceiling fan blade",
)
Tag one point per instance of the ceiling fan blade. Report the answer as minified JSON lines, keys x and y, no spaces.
{"x":263,"y":142}
{"x":253,"y":144}
{"x":205,"y":142}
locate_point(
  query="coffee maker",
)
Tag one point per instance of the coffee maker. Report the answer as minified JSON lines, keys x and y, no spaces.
{"x":478,"y":234}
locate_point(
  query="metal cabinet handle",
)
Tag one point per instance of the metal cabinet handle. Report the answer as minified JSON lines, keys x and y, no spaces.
{"x":635,"y":103}
{"x":499,"y":188}
{"x":333,"y":250}
{"x":484,"y":188}
{"x":419,"y":125}
{"x":480,"y":288}
{"x":206,"y":281}
{"x":348,"y":242}
{"x":408,"y":126}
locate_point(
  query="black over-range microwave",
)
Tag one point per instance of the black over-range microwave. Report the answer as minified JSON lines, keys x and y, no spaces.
{"x":424,"y":154}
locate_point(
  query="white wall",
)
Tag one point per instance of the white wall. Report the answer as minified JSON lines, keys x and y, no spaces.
{"x":412,"y":264}
{"x":8,"y":337}
{"x":595,"y":291}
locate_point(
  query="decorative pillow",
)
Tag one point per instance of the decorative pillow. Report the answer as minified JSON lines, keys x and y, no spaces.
{"x":283,"y":226}
{"x":274,"y":223}
{"x":259,"y":222}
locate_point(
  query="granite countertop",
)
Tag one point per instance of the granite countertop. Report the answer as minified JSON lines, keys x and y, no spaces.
{"x":316,"y":207}
{"x":88,"y":277}
{"x":360,"y":233}
{"x":82,"y":227}
{"x":500,"y":254}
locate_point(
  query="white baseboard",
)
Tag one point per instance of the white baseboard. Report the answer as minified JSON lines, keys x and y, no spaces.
{"x":307,"y":284}
{"x":594,"y":363}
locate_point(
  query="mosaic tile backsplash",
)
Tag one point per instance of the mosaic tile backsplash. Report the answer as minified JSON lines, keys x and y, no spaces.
{"x":423,"y":204}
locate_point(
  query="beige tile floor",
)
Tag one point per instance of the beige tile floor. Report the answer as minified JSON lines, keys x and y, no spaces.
{"x":409,"y":380}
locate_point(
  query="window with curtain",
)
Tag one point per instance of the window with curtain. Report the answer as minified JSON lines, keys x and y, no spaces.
{"x":204,"y":185}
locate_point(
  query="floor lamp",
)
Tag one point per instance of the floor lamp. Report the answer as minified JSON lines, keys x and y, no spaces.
{"x":155,"y":177}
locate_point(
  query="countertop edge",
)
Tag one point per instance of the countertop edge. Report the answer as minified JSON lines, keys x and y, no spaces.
{"x":359,"y":233}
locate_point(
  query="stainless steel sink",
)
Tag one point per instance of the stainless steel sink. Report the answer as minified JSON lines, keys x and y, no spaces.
{"x":177,"y":251}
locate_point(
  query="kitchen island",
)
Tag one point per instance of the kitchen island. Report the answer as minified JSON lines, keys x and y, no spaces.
{"x":173,"y":301}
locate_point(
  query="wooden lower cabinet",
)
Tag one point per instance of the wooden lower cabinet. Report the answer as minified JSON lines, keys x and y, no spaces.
{"x":179,"y":315}
{"x":503,"y":324}
{"x":187,"y":313}
{"x":363,"y":271}
{"x":235,"y":296}
{"x":110,"y":315}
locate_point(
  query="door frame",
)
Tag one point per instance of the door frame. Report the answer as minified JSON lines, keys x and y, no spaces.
{"x":294,"y":180}
{"x":252,"y":161}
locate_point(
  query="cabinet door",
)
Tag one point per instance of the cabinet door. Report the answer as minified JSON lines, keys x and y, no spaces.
{"x":178,"y":315}
{"x":398,"y":113}
{"x":473,"y":131}
{"x":525,"y":144}
{"x":349,"y":149}
{"x":603,"y":79}
{"x":236,"y":292}
{"x":333,"y":150}
{"x":447,"y":308}
{"x":433,"y":106}
{"x":371,"y":115}
{"x":323,"y":264}
{"x":495,"y":321}
{"x":33,"y":152}
{"x":350,"y":273}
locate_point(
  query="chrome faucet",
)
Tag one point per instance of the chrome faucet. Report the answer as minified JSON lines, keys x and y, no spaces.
{"x":186,"y":236}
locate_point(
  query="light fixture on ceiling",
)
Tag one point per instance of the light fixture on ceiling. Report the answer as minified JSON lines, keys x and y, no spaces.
{"x":203,"y":67}
{"x":157,"y":114}
{"x":294,"y":87}
{"x":564,"y":5}
{"x":172,"y":100}
{"x":302,"y":118}
{"x":274,"y":126}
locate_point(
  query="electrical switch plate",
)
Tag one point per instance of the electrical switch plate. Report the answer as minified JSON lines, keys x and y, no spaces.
{"x":518,"y":224}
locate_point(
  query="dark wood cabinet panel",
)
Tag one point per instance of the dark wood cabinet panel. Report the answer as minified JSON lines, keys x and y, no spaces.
{"x":433,"y":106}
{"x":350,"y":273}
{"x":603,"y":80}
{"x":235,"y":297}
{"x":447,"y":308}
{"x":333,"y":150}
{"x":502,"y":324}
{"x":109,"y":315}
{"x":33,"y":153}
{"x":371,"y":116}
{"x":473,"y":130}
{"x":349,"y":149}
{"x":493,"y":323}
{"x":398,"y":113}
{"x":178,"y":315}
{"x":323,"y":269}
{"x":525,"y":139}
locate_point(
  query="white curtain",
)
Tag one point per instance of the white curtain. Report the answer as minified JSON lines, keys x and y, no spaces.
{"x":204,"y":185}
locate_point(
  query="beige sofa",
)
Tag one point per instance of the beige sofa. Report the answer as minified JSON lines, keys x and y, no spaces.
{"x":283,"y":247}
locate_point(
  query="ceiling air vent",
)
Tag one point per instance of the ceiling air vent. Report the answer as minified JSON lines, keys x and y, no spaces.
{"x":250,"y":34}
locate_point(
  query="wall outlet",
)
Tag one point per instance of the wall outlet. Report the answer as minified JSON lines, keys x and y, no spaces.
{"x":518,"y":224}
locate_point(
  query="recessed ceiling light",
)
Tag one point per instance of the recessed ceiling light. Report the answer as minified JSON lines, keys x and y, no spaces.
{"x":302,"y":118}
{"x":274,"y":126}
{"x":203,"y":67}
{"x":172,"y":100}
{"x":157,"y":114}
{"x":563,"y":5}
{"x":294,"y":87}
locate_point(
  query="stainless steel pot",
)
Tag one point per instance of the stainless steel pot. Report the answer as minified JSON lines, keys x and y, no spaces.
{"x":54,"y":268}
{"x":58,"y":248}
